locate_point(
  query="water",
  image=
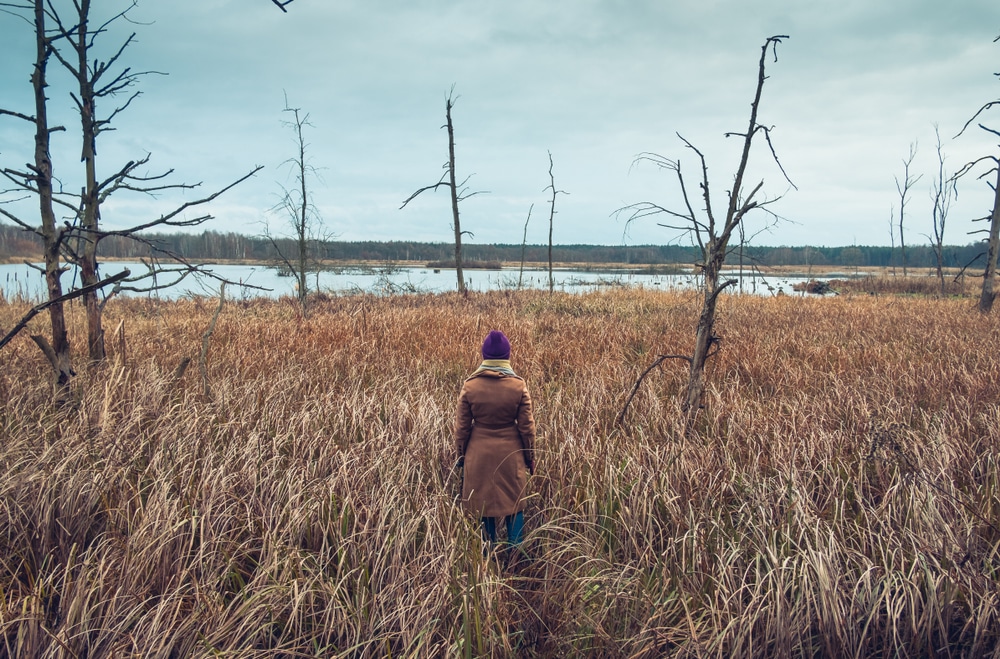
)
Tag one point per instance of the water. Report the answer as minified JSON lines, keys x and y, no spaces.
{"x":19,"y":281}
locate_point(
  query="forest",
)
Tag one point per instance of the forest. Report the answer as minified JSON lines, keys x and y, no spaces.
{"x":209,"y":246}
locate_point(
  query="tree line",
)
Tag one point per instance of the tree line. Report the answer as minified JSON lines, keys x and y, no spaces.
{"x":17,"y":244}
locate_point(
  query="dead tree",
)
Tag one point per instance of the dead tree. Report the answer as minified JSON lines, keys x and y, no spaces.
{"x":988,"y":294}
{"x":37,"y":180}
{"x":524,"y":246}
{"x":892,"y":239}
{"x":458,"y":190}
{"x":903,"y":188}
{"x":552,"y":214}
{"x":712,"y":234}
{"x":98,"y":80}
{"x":303,"y":216}
{"x":76,"y":243}
{"x":942,"y":193}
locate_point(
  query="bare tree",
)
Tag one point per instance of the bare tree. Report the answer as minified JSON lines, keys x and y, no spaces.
{"x":76,"y":242}
{"x":98,"y":80}
{"x":903,"y":188}
{"x":552,"y":214}
{"x":458,"y":190}
{"x":892,"y":239}
{"x":712,"y":235}
{"x":37,"y":179}
{"x":524,"y":246}
{"x":942,"y":193}
{"x":296,"y":203}
{"x":988,"y":294}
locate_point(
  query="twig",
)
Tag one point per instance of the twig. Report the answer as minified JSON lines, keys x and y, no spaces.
{"x":635,"y":388}
{"x":34,"y":311}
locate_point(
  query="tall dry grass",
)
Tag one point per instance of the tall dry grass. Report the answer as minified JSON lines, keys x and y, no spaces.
{"x":840,"y":496}
{"x":916,"y":283}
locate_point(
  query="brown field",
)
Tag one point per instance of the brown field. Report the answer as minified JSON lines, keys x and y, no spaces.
{"x":840,"y":495}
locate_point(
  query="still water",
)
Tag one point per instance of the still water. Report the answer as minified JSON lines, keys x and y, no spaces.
{"x":19,"y":281}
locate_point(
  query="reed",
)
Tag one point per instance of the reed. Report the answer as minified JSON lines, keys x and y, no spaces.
{"x":839,"y":496}
{"x":955,"y":284}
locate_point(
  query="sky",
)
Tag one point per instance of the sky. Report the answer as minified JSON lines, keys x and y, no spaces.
{"x":595,"y":83}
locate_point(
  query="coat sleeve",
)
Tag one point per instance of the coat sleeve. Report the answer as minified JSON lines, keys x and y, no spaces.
{"x":526,"y":428}
{"x":463,"y":422}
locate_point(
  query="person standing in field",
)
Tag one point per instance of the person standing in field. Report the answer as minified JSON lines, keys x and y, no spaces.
{"x":495,"y":438}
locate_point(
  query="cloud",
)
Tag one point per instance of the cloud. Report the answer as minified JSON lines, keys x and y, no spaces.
{"x":594,"y":82}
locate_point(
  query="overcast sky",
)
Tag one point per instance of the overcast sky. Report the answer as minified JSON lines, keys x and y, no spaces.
{"x":595,"y":82}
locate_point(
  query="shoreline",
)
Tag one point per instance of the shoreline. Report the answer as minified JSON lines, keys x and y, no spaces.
{"x":801,"y":270}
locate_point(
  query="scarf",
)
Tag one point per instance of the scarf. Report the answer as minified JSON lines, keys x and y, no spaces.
{"x":496,"y":365}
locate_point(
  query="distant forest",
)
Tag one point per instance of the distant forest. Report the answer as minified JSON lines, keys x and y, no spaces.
{"x":208,"y":246}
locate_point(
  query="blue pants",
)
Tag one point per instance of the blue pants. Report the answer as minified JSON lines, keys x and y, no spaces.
{"x":515,"y":528}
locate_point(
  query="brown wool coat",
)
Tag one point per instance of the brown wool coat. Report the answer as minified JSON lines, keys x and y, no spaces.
{"x":495,"y":432}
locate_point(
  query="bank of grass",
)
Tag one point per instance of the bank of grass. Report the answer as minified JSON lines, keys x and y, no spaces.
{"x":919,"y":285}
{"x":840,"y":496}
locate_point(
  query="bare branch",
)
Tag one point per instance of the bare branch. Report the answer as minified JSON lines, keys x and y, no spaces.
{"x":969,"y":166}
{"x":462,"y":195}
{"x":34,"y":311}
{"x":183,"y":270}
{"x":645,"y":209}
{"x":767,"y":136}
{"x":426,"y":188}
{"x":704,"y":186}
{"x":990,"y":130}
{"x":281,"y":4}
{"x":635,"y":388}
{"x":723,"y":286}
{"x":968,"y":265}
{"x":168,"y":219}
{"x":985,"y":107}
{"x":11,"y":113}
{"x":281,"y":256}
{"x":19,"y":222}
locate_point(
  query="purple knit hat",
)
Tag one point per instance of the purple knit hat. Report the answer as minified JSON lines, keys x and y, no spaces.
{"x":496,"y":346}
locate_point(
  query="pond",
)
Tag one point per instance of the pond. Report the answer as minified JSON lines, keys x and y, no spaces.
{"x":19,"y":281}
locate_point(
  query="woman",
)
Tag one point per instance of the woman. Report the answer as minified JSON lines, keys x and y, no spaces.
{"x":495,"y":438}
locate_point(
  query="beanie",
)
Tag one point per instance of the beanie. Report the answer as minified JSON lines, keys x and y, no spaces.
{"x":496,"y":346}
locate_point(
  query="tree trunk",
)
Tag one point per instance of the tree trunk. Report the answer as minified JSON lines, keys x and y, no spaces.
{"x":454,"y":197}
{"x":90,"y":199}
{"x":989,"y":277}
{"x":58,"y":352}
{"x":552,"y":215}
{"x":704,"y":336}
{"x":939,"y":258}
{"x":904,"y":189}
{"x":714,"y":249}
{"x":303,"y":224}
{"x":902,"y":244}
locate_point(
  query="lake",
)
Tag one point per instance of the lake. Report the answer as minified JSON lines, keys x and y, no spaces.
{"x":21,"y":281}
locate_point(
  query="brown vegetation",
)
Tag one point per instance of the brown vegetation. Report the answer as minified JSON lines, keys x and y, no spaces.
{"x":965,"y":286}
{"x":838,"y":496}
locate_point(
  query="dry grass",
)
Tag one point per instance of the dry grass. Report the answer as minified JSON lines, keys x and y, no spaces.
{"x":916,"y":284}
{"x":841,"y":496}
